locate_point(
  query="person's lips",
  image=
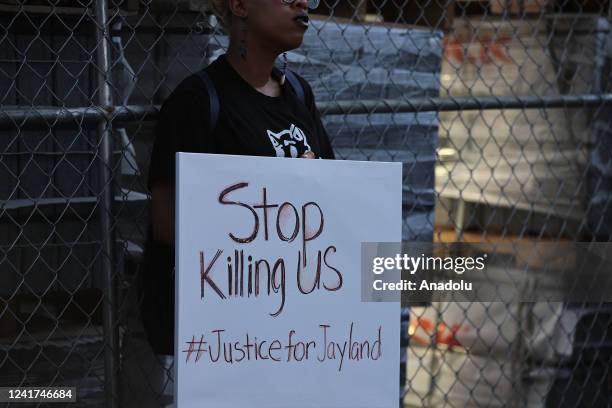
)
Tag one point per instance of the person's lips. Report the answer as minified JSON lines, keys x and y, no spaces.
{"x":302,"y":19}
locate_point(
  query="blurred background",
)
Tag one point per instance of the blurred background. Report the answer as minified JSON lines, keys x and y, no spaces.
{"x":500,"y":111}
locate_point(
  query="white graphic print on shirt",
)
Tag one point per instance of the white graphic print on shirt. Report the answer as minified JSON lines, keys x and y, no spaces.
{"x":287,"y":142}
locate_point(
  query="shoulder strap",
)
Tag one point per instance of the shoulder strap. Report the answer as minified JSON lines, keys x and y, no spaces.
{"x":296,"y":85}
{"x":213,"y":100}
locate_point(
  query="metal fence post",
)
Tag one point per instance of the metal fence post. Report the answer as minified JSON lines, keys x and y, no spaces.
{"x":105,"y":202}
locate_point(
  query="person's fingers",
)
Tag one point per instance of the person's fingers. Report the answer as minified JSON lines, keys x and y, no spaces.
{"x":308,"y":154}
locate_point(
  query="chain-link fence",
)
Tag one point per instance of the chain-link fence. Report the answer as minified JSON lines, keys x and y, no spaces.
{"x":500,"y":111}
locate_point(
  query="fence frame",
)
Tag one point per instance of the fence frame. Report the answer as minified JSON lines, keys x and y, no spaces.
{"x":44,"y":117}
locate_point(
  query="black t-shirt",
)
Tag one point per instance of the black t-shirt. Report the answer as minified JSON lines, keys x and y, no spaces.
{"x":249,"y":123}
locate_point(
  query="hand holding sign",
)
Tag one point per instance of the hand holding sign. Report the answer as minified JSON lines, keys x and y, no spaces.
{"x":308,"y":154}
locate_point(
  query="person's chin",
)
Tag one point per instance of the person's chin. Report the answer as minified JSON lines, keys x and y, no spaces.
{"x":294,"y":42}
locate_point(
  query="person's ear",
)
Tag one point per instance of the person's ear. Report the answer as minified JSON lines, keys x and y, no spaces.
{"x":238,"y":8}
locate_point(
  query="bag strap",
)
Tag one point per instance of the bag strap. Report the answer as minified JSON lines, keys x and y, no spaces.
{"x":213,"y":100}
{"x":296,"y":85}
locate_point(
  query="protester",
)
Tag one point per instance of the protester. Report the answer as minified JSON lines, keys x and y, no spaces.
{"x":241,"y":104}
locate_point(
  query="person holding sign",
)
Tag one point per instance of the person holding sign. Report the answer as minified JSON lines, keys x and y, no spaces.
{"x":241,"y":104}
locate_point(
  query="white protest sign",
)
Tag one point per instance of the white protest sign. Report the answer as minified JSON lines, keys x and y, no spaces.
{"x":268,"y":284}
